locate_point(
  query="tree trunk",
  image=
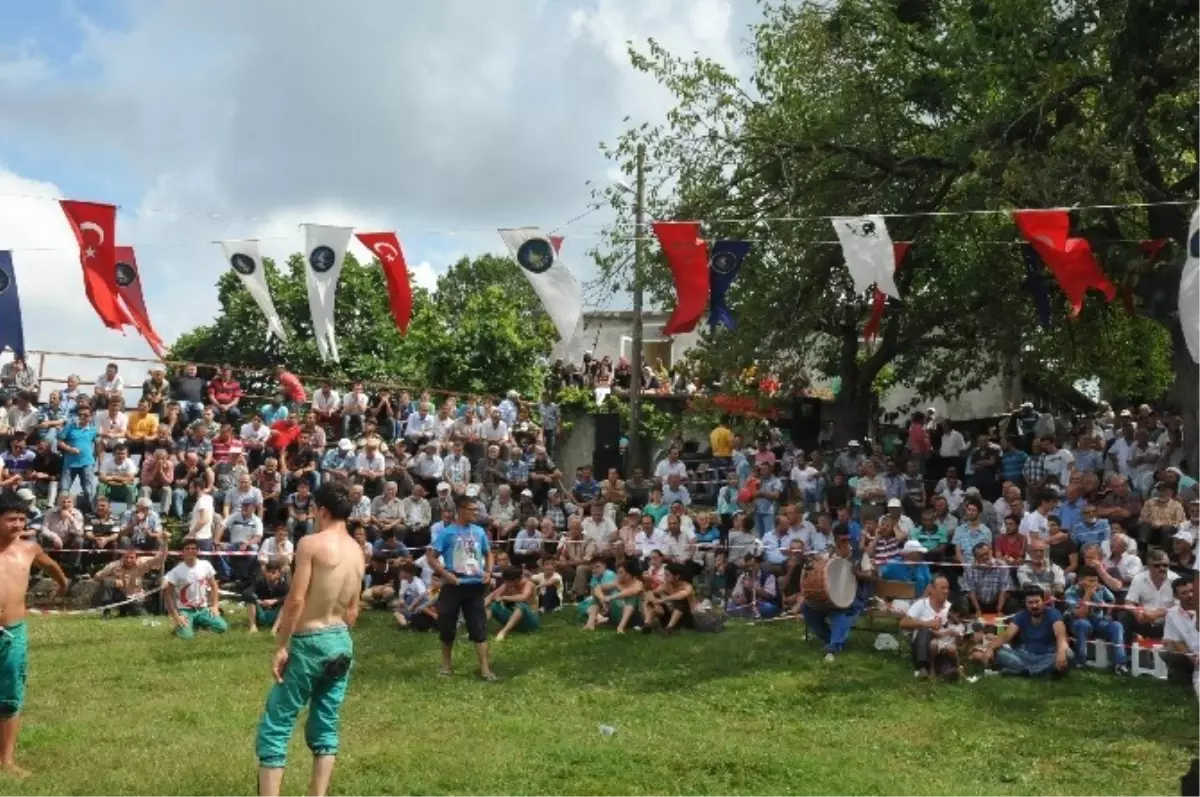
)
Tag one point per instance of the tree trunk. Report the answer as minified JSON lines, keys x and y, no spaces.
{"x":1184,"y":396}
{"x":850,"y":412}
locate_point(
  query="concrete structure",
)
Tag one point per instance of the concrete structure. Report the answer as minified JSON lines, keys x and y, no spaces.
{"x":611,"y":333}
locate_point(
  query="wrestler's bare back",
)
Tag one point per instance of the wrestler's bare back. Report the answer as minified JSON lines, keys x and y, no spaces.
{"x":335,"y":579}
{"x":16,"y":560}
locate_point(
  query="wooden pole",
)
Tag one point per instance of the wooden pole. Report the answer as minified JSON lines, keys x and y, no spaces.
{"x":635,"y":360}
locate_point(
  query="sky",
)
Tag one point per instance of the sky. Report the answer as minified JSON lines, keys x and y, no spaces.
{"x":225,"y":119}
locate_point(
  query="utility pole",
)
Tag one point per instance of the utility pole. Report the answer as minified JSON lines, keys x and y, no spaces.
{"x":635,"y":359}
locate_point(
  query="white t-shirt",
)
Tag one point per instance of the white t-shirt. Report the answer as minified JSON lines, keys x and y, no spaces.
{"x":1035,"y":524}
{"x":426,"y":571}
{"x":412,"y":590}
{"x":494,"y":433}
{"x":191,"y":583}
{"x":115,"y":386}
{"x":365,"y":461}
{"x":272,"y":549}
{"x":204,"y":504}
{"x":667,"y":468}
{"x":110,"y":425}
{"x":923,"y":611}
{"x":111,"y":468}
{"x":804,"y":478}
{"x":354,"y":403}
{"x":1059,"y":464}
{"x":326,"y":403}
{"x":1181,"y":627}
{"x":1119,"y":453}
{"x":599,"y":531}
{"x":952,"y":444}
{"x":1143,"y":592}
{"x":251,"y":435}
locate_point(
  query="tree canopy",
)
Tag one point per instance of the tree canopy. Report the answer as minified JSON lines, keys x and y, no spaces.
{"x":923,"y":107}
{"x":468,"y":336}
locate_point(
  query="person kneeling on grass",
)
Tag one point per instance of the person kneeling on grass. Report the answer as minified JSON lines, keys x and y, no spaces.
{"x":619,"y":601}
{"x":414,"y":602}
{"x":511,"y":603}
{"x":192,"y":595}
{"x":265,"y":598}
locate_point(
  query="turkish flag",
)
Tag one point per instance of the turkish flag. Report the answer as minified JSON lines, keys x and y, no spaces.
{"x":899,"y":250}
{"x":386,"y":246}
{"x":95,"y":231}
{"x":1069,"y":259}
{"x":129,"y":288}
{"x":687,"y":256}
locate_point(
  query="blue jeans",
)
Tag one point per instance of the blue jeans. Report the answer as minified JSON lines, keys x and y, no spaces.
{"x":87,"y":483}
{"x":240,"y":567}
{"x":1084,"y":628}
{"x":831,"y":628}
{"x":298,"y":528}
{"x":177,"y":498}
{"x":387,"y":428}
{"x":763,"y":522}
{"x":1019,"y":661}
{"x":359,"y":421}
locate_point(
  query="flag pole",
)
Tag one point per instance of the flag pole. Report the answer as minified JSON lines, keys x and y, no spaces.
{"x":635,"y":360}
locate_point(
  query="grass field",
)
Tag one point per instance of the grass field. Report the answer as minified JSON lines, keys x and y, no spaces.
{"x":116,"y":707}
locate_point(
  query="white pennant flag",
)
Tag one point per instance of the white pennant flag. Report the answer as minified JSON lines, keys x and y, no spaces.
{"x":324,"y":248}
{"x":867,"y":248}
{"x":556,"y":286}
{"x":244,"y":259}
{"x":1189,"y":290}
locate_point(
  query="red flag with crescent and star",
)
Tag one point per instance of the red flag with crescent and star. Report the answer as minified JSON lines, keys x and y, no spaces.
{"x":129,"y":288}
{"x":1069,"y":259}
{"x":95,"y":231}
{"x":386,"y":246}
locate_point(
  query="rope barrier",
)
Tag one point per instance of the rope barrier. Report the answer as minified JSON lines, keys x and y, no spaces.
{"x":95,"y":609}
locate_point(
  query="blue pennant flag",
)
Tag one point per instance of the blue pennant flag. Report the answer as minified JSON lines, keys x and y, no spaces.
{"x":12,"y":333}
{"x":724,"y":263}
{"x":1035,"y":285}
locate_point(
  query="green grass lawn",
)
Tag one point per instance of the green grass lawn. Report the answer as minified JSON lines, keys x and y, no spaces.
{"x":116,"y":707}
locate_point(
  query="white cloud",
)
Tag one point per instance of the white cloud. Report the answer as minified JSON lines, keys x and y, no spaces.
{"x":228,"y":119}
{"x":423,"y":275}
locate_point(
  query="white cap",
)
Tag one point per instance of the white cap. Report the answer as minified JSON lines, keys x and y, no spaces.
{"x":894,"y":503}
{"x":473,"y":490}
{"x":912,"y":546}
{"x":527,"y":493}
{"x":1184,"y":534}
{"x":443,"y":486}
{"x":1124,"y":413}
{"x":345,"y":444}
{"x":852,"y":444}
{"x":26,"y":495}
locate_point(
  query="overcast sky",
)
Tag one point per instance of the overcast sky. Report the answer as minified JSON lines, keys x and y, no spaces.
{"x":441,"y":119}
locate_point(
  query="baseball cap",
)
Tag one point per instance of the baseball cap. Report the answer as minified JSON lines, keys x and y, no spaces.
{"x":345,"y":444}
{"x":894,"y":503}
{"x":527,"y":493}
{"x":634,"y":511}
{"x":912,"y":546}
{"x":26,"y":495}
{"x":1184,"y":534}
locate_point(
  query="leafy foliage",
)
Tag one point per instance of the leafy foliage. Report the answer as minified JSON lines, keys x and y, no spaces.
{"x":471,"y":339}
{"x":873,"y":106}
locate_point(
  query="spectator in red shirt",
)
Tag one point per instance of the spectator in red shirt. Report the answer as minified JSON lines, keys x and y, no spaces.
{"x":289,"y":385}
{"x":226,"y":446}
{"x":1010,"y":546}
{"x":225,"y":393}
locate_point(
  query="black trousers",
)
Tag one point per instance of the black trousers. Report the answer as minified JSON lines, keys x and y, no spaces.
{"x":467,"y":600}
{"x":923,"y":658}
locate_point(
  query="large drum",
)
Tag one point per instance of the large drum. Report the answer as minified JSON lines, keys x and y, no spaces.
{"x":829,"y":584}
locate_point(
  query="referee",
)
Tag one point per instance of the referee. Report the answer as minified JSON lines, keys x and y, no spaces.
{"x":462,"y":558}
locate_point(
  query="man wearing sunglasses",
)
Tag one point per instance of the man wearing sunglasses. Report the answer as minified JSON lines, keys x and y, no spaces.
{"x":1148,"y":599}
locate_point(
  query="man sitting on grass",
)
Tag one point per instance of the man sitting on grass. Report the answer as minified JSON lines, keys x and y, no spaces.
{"x":1043,"y":647}
{"x":618,"y":601}
{"x":511,"y":604}
{"x":265,"y":598}
{"x":192,"y":596}
{"x":672,"y":604}
{"x":413,"y":605}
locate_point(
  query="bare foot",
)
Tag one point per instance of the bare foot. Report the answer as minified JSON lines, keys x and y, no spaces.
{"x":620,"y":630}
{"x":14,"y":771}
{"x":253,"y":629}
{"x":589,"y":627}
{"x":500,"y":637}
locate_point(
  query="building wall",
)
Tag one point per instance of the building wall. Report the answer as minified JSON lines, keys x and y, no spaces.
{"x":611,"y":335}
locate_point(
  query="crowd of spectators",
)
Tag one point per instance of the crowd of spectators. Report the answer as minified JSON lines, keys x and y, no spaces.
{"x":1097,"y":518}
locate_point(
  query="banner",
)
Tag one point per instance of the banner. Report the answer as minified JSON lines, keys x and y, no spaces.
{"x":1189,"y":290}
{"x":723,"y":266}
{"x":868,"y":250}
{"x":1035,"y":284}
{"x":555,"y":285}
{"x":879,"y":302}
{"x":687,"y":256}
{"x":1069,"y":259}
{"x":325,"y":248}
{"x":95,"y":232}
{"x":245,"y":261}
{"x":129,"y":288}
{"x":386,"y":247}
{"x":12,"y":332}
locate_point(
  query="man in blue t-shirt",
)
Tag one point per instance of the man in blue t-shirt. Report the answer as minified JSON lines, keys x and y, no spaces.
{"x":1043,"y":639}
{"x":462,"y":558}
{"x":77,"y":442}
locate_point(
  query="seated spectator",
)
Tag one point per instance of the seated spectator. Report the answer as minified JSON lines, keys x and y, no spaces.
{"x":1042,"y":646}
{"x":387,"y":512}
{"x":141,"y":527}
{"x":112,"y":426}
{"x":142,"y":428}
{"x":951,"y":489}
{"x":549,"y":584}
{"x":672,"y":604}
{"x":967,"y":537}
{"x":932,"y":537}
{"x":264,"y":599}
{"x":1040,"y":571}
{"x":1183,"y":551}
{"x":586,"y":489}
{"x":45,"y":471}
{"x":189,"y":391}
{"x":242,"y":534}
{"x":456,"y":469}
{"x":617,"y":601}
{"x":118,"y":477}
{"x":911,"y":567}
{"x":1010,"y":545}
{"x":1181,"y":636}
{"x":102,"y":528}
{"x":1120,"y":557}
{"x":884,"y":544}
{"x":987,"y":582}
{"x":254,"y":436}
{"x":1091,"y":528}
{"x":301,"y":465}
{"x":900,"y":521}
{"x":934,"y":642}
{"x":244,"y":493}
{"x":511,"y":604}
{"x":575,"y":554}
{"x":62,"y":526}
{"x":1089,"y":606}
{"x":327,"y":404}
{"x":1148,"y":599}
{"x":278,"y":549}
{"x":414,"y":608}
{"x":224,"y":392}
{"x":124,"y":582}
{"x":191,"y":474}
{"x":1160,"y":516}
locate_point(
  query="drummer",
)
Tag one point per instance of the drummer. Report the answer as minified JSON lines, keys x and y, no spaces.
{"x":833,"y":626}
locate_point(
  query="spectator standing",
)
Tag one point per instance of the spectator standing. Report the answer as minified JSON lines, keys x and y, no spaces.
{"x":462,"y":559}
{"x":81,"y":447}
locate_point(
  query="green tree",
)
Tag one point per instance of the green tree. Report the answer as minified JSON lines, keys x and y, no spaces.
{"x":487,"y":344}
{"x":919,"y":107}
